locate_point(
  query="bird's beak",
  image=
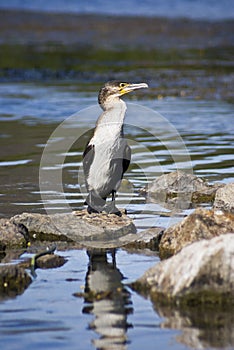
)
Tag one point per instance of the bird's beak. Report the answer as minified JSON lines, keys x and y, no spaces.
{"x":131,"y":87}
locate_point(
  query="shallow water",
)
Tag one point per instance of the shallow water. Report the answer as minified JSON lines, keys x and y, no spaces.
{"x":165,"y":134}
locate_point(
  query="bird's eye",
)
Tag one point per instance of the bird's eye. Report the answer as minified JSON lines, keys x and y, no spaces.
{"x":122,"y":85}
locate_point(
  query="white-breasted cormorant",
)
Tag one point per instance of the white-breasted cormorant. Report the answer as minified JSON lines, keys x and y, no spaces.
{"x":107,"y":154}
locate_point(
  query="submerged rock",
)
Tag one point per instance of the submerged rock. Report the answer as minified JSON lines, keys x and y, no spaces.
{"x":90,"y":230}
{"x":13,"y":281}
{"x":202,"y":272}
{"x":50,"y":261}
{"x":181,"y":189}
{"x":201,"y":224}
{"x":224,"y":198}
{"x":12,"y":235}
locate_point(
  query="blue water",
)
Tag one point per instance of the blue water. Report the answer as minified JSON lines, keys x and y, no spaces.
{"x":199,"y":9}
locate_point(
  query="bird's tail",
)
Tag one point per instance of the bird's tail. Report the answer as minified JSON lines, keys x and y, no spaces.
{"x":95,"y":202}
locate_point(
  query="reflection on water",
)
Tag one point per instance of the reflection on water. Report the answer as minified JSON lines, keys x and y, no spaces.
{"x":108,"y":315}
{"x":202,"y":327}
{"x":108,"y":301}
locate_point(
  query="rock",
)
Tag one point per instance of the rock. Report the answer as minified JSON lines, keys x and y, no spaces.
{"x":12,"y":235}
{"x":90,"y":230}
{"x":201,"y":224}
{"x":181,"y":189}
{"x":50,"y":261}
{"x":13,"y":280}
{"x":224,"y":198}
{"x":202,"y":272}
{"x":147,"y":239}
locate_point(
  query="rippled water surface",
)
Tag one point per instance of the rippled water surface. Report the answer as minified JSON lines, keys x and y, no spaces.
{"x":165,"y":135}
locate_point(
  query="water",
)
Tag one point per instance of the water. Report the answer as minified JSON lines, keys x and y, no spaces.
{"x":209,"y":9}
{"x":48,"y":315}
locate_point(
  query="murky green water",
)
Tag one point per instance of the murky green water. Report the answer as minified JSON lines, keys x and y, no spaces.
{"x":48,"y":315}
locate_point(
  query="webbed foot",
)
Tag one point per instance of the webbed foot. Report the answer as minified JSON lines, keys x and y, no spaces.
{"x":111,"y":209}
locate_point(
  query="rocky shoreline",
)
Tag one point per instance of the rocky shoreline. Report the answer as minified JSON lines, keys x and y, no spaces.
{"x":199,"y":244}
{"x":177,"y":57}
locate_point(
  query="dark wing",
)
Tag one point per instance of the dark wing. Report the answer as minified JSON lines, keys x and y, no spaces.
{"x":88,"y":156}
{"x":126,"y":158}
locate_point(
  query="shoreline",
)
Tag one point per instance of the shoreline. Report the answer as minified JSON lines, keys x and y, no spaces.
{"x":179,"y":57}
{"x":104,"y":31}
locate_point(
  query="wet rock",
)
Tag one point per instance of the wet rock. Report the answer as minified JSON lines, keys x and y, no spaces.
{"x":202,"y":272}
{"x":12,"y":235}
{"x":201,"y":224}
{"x":90,"y":230}
{"x":50,"y":261}
{"x":181,"y":189}
{"x":147,"y":239}
{"x":224,"y":198}
{"x":13,"y":281}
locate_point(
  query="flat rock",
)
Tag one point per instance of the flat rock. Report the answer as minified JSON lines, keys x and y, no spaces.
{"x":90,"y":230}
{"x":201,"y":224}
{"x":180,"y":189}
{"x":12,"y":235}
{"x":201,"y":272}
{"x":224,"y":198}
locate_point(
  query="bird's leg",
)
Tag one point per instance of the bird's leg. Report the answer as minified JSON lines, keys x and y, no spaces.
{"x":95,"y":203}
{"x":111,"y":208}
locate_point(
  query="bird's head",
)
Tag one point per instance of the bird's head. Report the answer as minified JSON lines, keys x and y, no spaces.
{"x":114,"y":89}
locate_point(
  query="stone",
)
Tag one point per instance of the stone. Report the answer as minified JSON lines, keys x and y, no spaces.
{"x":180,"y":189}
{"x":12,"y":235}
{"x":201,"y":224}
{"x":13,"y":281}
{"x":90,"y":230}
{"x":200,"y":273}
{"x":224,"y":198}
{"x":147,"y":239}
{"x":50,"y":261}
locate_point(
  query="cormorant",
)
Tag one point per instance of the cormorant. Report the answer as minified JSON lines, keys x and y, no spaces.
{"x":107,"y":154}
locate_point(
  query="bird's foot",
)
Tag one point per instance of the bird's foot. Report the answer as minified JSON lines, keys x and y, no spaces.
{"x":91,"y":210}
{"x":111,"y":209}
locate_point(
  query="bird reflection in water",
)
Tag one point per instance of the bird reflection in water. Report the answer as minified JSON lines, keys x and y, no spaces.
{"x":108,"y":300}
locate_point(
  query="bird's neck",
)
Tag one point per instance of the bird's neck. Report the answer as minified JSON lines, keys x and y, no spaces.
{"x":111,"y":120}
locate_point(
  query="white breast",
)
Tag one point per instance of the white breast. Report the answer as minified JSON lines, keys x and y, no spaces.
{"x":108,"y":145}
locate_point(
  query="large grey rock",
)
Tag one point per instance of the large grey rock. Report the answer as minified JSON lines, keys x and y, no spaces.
{"x":181,"y":189}
{"x":224,"y":198}
{"x":90,"y":230}
{"x":201,"y":224}
{"x":201,"y":272}
{"x":12,"y":235}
